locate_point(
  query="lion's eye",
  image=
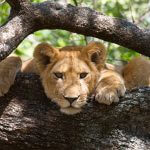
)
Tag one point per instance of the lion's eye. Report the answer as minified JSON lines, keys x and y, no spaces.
{"x":83,"y":75}
{"x":59,"y":75}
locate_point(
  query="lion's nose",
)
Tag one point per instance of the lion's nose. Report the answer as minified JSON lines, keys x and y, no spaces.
{"x":71,"y":99}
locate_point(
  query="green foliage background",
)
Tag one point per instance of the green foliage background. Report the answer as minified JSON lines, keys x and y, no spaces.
{"x":136,"y":11}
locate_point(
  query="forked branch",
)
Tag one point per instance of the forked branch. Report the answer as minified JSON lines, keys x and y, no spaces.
{"x":82,"y":20}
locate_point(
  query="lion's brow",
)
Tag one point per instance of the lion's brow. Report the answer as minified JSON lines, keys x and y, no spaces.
{"x":71,"y":48}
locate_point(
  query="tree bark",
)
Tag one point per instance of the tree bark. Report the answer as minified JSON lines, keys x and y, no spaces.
{"x":29,"y":120}
{"x":26,"y":18}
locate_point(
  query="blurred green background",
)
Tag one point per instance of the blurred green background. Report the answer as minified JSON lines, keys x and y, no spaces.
{"x":136,"y":11}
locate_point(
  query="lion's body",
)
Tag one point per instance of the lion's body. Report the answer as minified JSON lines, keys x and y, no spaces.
{"x":70,"y":74}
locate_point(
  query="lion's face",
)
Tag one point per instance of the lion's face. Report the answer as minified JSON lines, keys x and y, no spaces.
{"x":68,"y":83}
{"x":69,"y":74}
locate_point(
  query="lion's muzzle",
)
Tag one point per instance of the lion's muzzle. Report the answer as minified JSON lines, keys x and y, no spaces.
{"x":71,"y":99}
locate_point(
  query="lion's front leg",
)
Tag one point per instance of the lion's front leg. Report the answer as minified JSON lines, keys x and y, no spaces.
{"x":8,"y":70}
{"x":110,"y":87}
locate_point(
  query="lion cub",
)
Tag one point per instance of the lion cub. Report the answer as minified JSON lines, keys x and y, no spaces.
{"x":71,"y":73}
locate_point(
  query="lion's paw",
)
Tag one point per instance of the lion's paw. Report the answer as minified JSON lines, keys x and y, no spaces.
{"x":8,"y":71}
{"x":109,"y":94}
{"x":5,"y":81}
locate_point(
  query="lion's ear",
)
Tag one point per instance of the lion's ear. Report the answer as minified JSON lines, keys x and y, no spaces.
{"x":44,"y":54}
{"x":96,"y":52}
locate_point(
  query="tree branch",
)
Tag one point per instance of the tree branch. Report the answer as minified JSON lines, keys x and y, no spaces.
{"x":28,"y":120}
{"x":81,"y":20}
{"x":18,"y":4}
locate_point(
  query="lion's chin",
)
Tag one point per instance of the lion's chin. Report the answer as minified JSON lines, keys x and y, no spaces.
{"x":70,"y":110}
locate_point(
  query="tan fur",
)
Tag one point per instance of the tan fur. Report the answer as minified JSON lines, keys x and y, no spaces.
{"x":8,"y":70}
{"x":71,"y":73}
{"x":137,"y":73}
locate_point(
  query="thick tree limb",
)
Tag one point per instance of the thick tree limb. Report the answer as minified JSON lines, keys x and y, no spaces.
{"x":26,"y":18}
{"x":18,"y":4}
{"x":30,"y":121}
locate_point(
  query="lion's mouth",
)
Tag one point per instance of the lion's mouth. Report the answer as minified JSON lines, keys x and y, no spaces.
{"x":70,"y":110}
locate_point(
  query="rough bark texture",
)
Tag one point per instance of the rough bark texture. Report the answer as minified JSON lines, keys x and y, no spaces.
{"x":26,"y":18}
{"x":30,"y":121}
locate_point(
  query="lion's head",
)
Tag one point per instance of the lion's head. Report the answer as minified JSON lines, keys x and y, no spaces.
{"x":70,"y":73}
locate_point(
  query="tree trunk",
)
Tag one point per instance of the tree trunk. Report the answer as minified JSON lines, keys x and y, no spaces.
{"x":29,"y":120}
